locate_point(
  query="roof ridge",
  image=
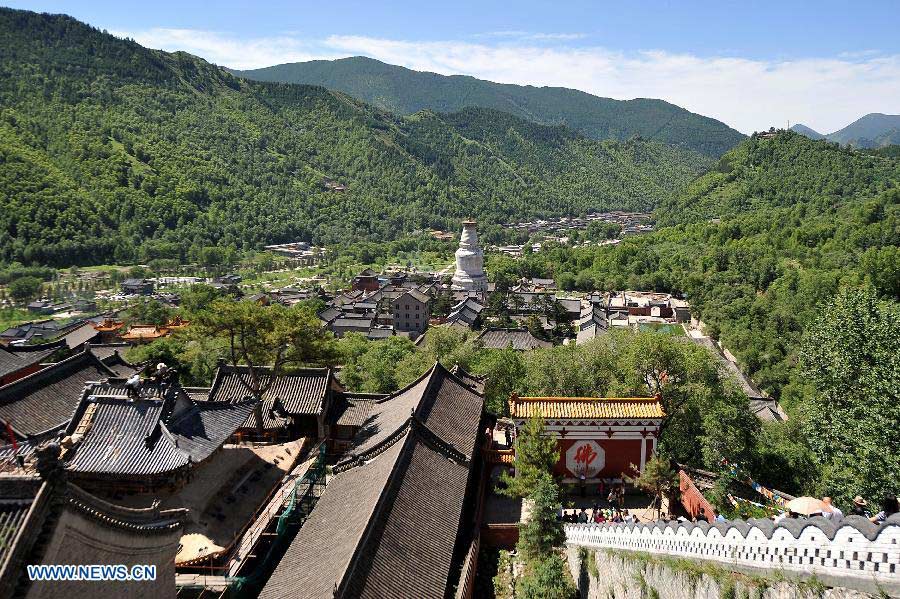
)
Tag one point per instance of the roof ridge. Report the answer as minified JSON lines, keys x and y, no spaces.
{"x":145,"y":519}
{"x":435,"y":441}
{"x":55,"y":368}
{"x":354,"y":460}
{"x":414,"y":430}
{"x":293,"y":372}
{"x":457,"y":378}
{"x":583,"y":398}
{"x":347,"y":574}
{"x":403,"y":390}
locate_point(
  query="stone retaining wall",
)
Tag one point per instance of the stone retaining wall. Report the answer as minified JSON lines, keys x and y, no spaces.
{"x":618,"y":576}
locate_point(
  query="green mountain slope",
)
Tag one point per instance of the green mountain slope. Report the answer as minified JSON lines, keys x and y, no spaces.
{"x":871,"y":131}
{"x":787,"y":171}
{"x":110,"y":151}
{"x":758,"y":244}
{"x":874,"y":130}
{"x":405,"y":91}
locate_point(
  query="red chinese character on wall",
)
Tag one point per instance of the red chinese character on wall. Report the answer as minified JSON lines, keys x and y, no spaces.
{"x":585,"y":455}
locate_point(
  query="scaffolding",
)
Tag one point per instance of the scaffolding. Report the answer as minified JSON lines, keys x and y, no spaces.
{"x":300,"y":503}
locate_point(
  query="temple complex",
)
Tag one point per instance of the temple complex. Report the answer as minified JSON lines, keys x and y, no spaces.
{"x":598,"y":437}
{"x":469,"y":275}
{"x":48,"y":520}
{"x":396,"y":516}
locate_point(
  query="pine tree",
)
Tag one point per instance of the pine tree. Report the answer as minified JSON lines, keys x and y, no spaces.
{"x":536,"y":454}
{"x":543,"y":532}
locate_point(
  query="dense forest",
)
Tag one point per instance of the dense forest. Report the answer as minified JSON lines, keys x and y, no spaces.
{"x":110,"y":152}
{"x":757,"y":246}
{"x":404,"y":91}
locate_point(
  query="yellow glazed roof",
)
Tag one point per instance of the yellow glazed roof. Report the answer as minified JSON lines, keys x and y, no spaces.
{"x":586,"y":407}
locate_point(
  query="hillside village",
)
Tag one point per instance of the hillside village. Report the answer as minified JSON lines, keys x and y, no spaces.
{"x":259,"y":462}
{"x":347,"y":329}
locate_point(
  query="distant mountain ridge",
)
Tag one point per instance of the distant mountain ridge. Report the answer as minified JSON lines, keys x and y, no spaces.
{"x":804,"y":130}
{"x":405,"y":91}
{"x":110,"y":151}
{"x":874,"y":130}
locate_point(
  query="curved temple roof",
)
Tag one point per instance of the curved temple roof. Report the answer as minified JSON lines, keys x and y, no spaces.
{"x":389,"y":520}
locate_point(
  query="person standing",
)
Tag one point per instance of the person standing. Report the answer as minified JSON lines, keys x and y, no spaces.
{"x":831,"y":511}
{"x":889,"y":507}
{"x":859,"y":507}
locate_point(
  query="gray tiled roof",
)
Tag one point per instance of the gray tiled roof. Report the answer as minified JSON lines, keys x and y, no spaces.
{"x":112,"y":354}
{"x":352,"y":409}
{"x":520,"y":339}
{"x":474,"y":382}
{"x":48,"y":398}
{"x":18,"y":358}
{"x":415,"y":294}
{"x":197,"y":393}
{"x":358,"y":324}
{"x":409,"y":551}
{"x":82,"y":334}
{"x":299,"y":393}
{"x":107,"y":350}
{"x":160,"y":432}
{"x":16,"y":496}
{"x":329,"y":314}
{"x":377,"y":333}
{"x":388,"y":522}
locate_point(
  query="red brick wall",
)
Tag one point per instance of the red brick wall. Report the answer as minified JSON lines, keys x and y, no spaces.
{"x":692,"y":499}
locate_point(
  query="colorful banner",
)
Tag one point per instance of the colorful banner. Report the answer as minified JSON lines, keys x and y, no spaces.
{"x":744,"y":478}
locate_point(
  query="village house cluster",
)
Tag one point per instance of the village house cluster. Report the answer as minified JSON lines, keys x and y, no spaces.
{"x":284,"y":483}
{"x":563,"y":230}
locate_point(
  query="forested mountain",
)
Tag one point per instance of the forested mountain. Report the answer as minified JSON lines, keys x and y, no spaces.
{"x":404,"y":91}
{"x":874,"y":130}
{"x":110,"y":151}
{"x":757,"y":245}
{"x":786,"y":171}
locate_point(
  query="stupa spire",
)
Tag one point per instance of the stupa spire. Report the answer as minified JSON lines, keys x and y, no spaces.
{"x":469,"y":273}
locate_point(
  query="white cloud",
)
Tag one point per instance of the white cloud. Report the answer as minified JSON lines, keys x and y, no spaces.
{"x":823,"y":93}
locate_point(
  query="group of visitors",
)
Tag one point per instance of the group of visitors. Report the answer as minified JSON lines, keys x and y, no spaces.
{"x":158,"y":375}
{"x":889,"y":507}
{"x":597,"y":515}
{"x":616,"y":495}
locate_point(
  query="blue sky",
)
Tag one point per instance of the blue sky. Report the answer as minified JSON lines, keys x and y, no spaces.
{"x":750,"y":64}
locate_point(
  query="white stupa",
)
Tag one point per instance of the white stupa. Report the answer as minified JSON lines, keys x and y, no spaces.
{"x":469,"y":273}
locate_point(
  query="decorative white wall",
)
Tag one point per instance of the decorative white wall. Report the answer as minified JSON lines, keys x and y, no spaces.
{"x":854,"y":550}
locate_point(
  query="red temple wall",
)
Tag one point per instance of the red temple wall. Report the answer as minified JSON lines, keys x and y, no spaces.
{"x":20,"y":374}
{"x":619,"y":455}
